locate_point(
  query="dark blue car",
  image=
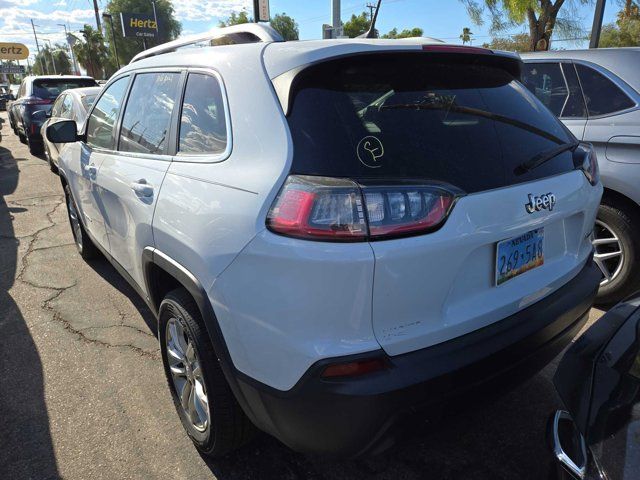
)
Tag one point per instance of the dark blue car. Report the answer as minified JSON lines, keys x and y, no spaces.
{"x":34,"y":100}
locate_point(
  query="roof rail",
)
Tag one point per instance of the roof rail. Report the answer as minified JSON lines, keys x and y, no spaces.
{"x":235,"y":34}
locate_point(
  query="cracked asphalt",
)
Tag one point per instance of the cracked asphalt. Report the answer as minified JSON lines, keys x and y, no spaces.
{"x":83,"y":395}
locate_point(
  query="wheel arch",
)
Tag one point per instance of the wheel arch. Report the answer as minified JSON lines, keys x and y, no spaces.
{"x":613,"y":196}
{"x":163,"y":274}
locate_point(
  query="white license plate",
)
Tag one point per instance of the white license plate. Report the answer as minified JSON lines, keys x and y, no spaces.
{"x":517,"y":255}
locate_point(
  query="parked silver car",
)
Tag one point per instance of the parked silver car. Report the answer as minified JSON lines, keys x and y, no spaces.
{"x":71,"y":104}
{"x":596,"y":94}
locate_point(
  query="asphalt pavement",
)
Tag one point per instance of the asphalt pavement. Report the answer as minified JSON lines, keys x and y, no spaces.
{"x":83,"y":394}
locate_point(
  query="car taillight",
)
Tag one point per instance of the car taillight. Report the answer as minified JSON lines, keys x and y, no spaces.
{"x":336,"y":209}
{"x":354,"y":369}
{"x":394,"y":211}
{"x":585,"y":159}
{"x":38,"y":101}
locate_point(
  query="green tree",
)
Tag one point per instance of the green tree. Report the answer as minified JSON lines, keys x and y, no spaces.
{"x":515,"y":43}
{"x":91,"y":53}
{"x":169,"y":28}
{"x":285,"y":26}
{"x":52,"y":61}
{"x":626,"y":31}
{"x":236,"y":19}
{"x":406,"y":33}
{"x":465,"y":36}
{"x":357,"y":25}
{"x":542,"y":17}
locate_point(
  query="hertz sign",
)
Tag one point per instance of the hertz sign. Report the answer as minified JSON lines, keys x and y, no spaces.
{"x":138,"y":25}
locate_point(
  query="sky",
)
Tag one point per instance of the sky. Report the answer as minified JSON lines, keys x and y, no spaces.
{"x":442,"y":19}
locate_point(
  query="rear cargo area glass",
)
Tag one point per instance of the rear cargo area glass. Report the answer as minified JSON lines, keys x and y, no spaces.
{"x":50,"y":88}
{"x":455,"y":118}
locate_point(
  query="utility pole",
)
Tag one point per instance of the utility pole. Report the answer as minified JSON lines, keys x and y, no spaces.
{"x":155,"y":19}
{"x":53,"y":61}
{"x":335,"y":19}
{"x":108,"y":16}
{"x":42,"y":62}
{"x":66,"y":39}
{"x":371,"y":8}
{"x":95,"y":9}
{"x":597,"y":24}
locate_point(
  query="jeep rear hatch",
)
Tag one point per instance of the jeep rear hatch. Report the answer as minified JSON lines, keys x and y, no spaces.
{"x":433,"y":156}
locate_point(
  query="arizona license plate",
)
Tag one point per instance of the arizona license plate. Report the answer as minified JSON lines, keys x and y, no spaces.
{"x":519,"y":254}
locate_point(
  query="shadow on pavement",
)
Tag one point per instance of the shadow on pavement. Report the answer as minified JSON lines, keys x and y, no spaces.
{"x":103,"y":268}
{"x":26,"y":449}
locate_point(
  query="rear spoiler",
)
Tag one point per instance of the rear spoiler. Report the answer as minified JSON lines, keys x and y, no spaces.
{"x":508,"y":61}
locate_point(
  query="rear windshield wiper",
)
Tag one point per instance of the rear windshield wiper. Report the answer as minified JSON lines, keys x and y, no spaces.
{"x":478,"y":113}
{"x":542,"y":157}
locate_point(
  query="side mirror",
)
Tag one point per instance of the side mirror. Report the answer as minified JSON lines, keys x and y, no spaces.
{"x":48,"y":114}
{"x":65,"y":131}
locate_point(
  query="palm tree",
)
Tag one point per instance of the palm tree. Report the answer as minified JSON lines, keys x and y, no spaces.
{"x":92,"y":53}
{"x":466,"y":35}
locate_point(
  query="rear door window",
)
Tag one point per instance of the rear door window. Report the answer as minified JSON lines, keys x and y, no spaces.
{"x":147,"y":116}
{"x":601,"y":94}
{"x":103,"y":117}
{"x":203,"y":127}
{"x":556,"y":86}
{"x":440,"y":117}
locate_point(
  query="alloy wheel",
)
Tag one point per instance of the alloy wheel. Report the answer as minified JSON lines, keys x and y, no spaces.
{"x":609,"y":252}
{"x":187,"y":376}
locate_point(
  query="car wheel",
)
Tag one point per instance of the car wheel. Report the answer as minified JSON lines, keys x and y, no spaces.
{"x":35,"y":148}
{"x":617,"y":252}
{"x":205,"y":403}
{"x":47,"y":154}
{"x":22,"y":137}
{"x":85,"y":246}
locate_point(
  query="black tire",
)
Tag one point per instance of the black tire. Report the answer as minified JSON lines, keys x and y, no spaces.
{"x":35,"y":148}
{"x":84,"y":244}
{"x":22,"y":138}
{"x":229,"y":428}
{"x":47,"y":154}
{"x":624,"y":222}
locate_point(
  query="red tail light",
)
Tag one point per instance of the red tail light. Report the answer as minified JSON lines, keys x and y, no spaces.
{"x":38,"y":101}
{"x":331,"y":209}
{"x":354,"y":369}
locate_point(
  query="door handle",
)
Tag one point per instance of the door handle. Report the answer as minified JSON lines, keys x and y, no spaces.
{"x":90,"y":169}
{"x":142,"y":188}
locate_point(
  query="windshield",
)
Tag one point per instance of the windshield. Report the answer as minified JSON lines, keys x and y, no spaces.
{"x":51,"y":88}
{"x":87,"y":101}
{"x":417,"y":115}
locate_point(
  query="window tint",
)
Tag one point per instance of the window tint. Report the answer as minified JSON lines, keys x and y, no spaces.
{"x":202,"y":125}
{"x":67,"y":107}
{"x":600,"y":93}
{"x":420,"y":116}
{"x":147,"y":116}
{"x":51,"y":88}
{"x":559,"y":92}
{"x":103,"y":118}
{"x":57,"y":107}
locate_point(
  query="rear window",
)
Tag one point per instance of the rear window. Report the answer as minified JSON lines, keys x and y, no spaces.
{"x":51,"y":88}
{"x":420,"y":116}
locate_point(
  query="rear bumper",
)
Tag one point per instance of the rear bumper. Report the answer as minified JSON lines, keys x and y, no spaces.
{"x":349,"y":417}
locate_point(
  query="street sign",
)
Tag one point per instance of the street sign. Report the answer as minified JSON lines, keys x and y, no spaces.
{"x":261,"y":10}
{"x":138,"y":25}
{"x":12,"y":69}
{"x":13,"y":51}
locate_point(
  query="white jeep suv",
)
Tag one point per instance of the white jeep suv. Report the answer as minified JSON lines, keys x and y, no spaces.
{"x":334,"y":234}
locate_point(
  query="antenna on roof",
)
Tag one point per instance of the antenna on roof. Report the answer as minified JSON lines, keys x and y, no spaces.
{"x":371,"y":33}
